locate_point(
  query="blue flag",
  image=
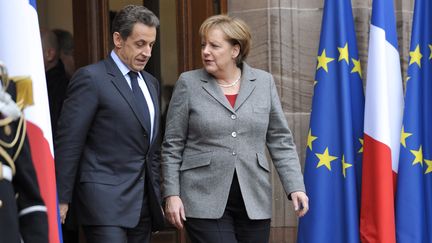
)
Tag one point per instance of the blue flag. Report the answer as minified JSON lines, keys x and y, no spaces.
{"x":414,"y":195}
{"x":334,"y":144}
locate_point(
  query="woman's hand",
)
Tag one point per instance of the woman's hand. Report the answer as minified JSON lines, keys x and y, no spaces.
{"x":174,"y":211}
{"x":300,"y":202}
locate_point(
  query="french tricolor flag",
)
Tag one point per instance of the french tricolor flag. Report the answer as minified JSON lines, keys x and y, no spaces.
{"x":382,"y":127}
{"x":21,"y":52}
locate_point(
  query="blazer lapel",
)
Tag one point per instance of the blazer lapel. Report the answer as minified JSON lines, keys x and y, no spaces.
{"x":121,"y":84}
{"x":210,"y":85}
{"x":155,"y":98}
{"x":246,"y":87}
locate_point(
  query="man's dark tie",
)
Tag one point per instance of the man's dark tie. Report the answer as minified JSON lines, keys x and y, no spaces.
{"x":140,"y":100}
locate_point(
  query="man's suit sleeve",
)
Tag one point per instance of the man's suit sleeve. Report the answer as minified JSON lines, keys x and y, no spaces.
{"x":156,"y":159}
{"x":156,"y":167}
{"x":175,"y":138}
{"x":75,"y":120}
{"x":280,"y":144}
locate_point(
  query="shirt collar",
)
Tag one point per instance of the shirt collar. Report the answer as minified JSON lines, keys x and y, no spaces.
{"x":123,"y":68}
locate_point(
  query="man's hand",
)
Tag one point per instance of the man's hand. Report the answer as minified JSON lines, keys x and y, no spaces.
{"x":300,"y":202}
{"x":63,"y":208}
{"x":174,"y":211}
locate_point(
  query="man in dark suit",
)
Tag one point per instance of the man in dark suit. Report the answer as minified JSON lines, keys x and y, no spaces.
{"x":108,"y":138}
{"x":66,"y":47}
{"x":56,"y":78}
{"x":57,"y":81}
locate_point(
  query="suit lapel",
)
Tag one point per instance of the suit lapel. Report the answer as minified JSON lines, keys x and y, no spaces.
{"x":155,"y":98}
{"x":246,"y":87}
{"x":210,"y":85}
{"x":121,"y":84}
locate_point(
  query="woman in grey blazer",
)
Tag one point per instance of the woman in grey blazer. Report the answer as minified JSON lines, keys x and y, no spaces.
{"x":220,"y":121}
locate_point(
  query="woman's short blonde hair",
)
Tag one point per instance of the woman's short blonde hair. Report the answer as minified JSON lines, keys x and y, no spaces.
{"x":236,"y":31}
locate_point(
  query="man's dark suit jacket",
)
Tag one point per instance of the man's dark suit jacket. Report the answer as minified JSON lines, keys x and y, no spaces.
{"x":57,"y":82}
{"x":104,"y":151}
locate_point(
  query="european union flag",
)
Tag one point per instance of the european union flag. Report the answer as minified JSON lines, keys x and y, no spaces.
{"x":334,"y":144}
{"x":414,"y":195}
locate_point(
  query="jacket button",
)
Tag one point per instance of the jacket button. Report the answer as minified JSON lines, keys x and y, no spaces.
{"x":234,"y":153}
{"x":233,"y":117}
{"x":1,"y":203}
{"x":234,"y":134}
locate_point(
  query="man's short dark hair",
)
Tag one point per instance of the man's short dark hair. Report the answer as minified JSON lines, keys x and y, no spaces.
{"x":65,"y":40}
{"x":126,"y":18}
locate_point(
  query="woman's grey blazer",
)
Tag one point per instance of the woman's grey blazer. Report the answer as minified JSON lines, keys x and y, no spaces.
{"x":206,"y":140}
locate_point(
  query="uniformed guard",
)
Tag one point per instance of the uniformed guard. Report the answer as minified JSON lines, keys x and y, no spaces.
{"x":23,"y":215}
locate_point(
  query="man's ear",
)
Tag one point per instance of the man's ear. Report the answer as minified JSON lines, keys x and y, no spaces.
{"x":117,"y":39}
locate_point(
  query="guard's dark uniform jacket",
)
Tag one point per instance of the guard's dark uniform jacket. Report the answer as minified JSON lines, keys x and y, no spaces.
{"x":22,"y":210}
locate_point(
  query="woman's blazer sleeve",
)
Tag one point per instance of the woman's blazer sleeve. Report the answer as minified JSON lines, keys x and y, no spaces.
{"x":175,"y":138}
{"x":281,"y":146}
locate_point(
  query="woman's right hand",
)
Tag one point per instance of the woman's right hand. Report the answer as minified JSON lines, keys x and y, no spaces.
{"x":174,"y":211}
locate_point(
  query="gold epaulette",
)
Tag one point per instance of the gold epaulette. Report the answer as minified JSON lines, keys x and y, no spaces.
{"x":24,"y":91}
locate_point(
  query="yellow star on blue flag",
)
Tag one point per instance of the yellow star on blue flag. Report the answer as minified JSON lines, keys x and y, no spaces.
{"x":333,"y":154}
{"x":414,"y":180}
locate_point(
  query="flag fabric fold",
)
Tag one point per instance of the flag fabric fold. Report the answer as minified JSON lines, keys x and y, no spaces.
{"x":21,"y":52}
{"x":334,"y":144}
{"x":414,"y":190}
{"x":382,"y":126}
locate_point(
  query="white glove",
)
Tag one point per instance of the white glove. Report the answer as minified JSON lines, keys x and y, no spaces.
{"x":8,"y":107}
